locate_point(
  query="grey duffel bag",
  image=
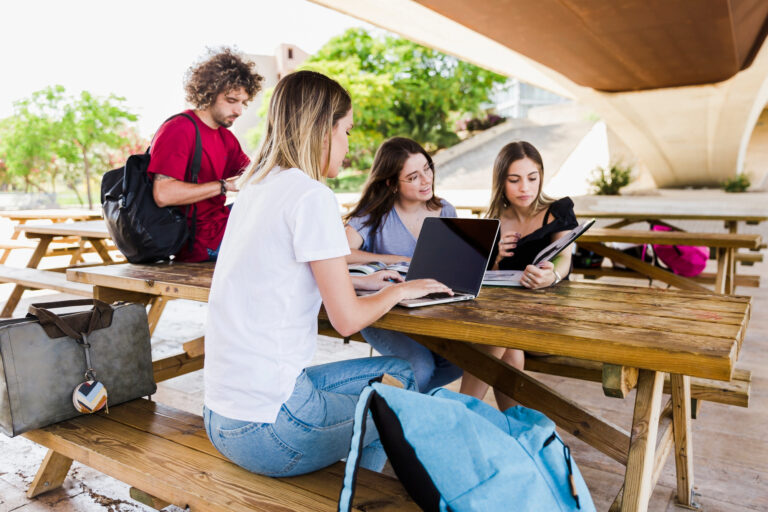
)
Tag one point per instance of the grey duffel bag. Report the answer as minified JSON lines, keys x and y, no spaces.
{"x":43,"y":358}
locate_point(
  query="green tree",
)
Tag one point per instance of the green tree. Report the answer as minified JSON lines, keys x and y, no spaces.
{"x":398,"y":88}
{"x":401,"y":88}
{"x":53,"y":136}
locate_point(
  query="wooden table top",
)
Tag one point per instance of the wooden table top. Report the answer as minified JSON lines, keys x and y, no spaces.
{"x":645,"y":236}
{"x":51,"y":214}
{"x":86,"y":229}
{"x":677,"y":331}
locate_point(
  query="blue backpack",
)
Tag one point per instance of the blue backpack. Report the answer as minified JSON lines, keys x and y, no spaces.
{"x":456,"y":453}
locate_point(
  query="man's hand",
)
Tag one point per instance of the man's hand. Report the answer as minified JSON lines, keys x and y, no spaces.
{"x":231,"y":184}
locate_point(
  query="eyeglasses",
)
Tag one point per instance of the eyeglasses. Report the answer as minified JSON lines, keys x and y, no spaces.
{"x":427,"y":173}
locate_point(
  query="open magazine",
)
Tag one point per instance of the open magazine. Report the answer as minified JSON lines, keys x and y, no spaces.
{"x":374,"y":266}
{"x":512,"y":277}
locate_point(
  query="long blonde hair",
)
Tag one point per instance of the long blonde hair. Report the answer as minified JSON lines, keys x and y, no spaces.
{"x":509,"y":154}
{"x":304,"y":108}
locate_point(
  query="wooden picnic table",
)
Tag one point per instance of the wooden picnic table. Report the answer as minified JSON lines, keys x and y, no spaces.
{"x":93,"y":232}
{"x":20,"y":217}
{"x":725,"y":245}
{"x":680,"y":332}
{"x":730,"y":220}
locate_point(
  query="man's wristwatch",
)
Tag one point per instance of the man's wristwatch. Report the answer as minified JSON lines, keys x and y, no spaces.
{"x":557,"y":277}
{"x":223,"y":184}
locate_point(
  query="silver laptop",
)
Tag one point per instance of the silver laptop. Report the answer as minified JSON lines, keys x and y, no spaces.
{"x":456,"y":253}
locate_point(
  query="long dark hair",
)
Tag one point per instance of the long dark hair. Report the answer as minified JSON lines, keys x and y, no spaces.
{"x":380,"y":190}
{"x":509,"y":154}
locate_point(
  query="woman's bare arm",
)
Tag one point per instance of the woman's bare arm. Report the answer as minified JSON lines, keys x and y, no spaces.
{"x":349,"y":313}
{"x":358,"y":256}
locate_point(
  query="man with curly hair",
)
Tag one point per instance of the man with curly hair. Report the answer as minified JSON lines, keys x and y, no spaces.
{"x":219,"y":88}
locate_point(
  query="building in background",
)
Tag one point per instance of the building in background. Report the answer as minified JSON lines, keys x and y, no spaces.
{"x":286,"y":59}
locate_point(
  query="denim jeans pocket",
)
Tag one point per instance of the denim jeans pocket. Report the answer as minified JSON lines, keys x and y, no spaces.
{"x":256,"y":447}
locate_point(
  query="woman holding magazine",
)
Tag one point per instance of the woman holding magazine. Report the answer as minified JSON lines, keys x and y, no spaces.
{"x":530,"y":221}
{"x":384,"y":226}
{"x":283,"y":252}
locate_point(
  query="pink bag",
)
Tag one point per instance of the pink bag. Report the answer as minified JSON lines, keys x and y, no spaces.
{"x":683,"y":260}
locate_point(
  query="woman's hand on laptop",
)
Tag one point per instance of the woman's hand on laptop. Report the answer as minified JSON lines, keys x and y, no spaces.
{"x":421,"y":287}
{"x":377,"y":280}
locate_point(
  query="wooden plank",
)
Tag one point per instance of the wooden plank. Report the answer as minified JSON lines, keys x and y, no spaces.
{"x":156,"y":307}
{"x":43,"y":279}
{"x":681,"y":411}
{"x":170,"y":472}
{"x":657,"y":215}
{"x":18,"y":290}
{"x":51,"y":474}
{"x":736,"y":392}
{"x":195,"y":347}
{"x":110,"y":295}
{"x":722,"y":269}
{"x":640,"y":461}
{"x":618,"y":381}
{"x":664,"y":443}
{"x":705,"y":278}
{"x":86,"y":229}
{"x":607,"y":438}
{"x":52,"y":214}
{"x":147,"y":499}
{"x":723,"y":240}
{"x":188,"y":430}
{"x":176,"y":365}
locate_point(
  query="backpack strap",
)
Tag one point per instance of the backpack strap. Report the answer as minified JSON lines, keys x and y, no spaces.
{"x":356,"y":447}
{"x":192,"y":172}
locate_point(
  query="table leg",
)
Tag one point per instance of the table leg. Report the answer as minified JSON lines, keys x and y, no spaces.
{"x":18,"y":290}
{"x":77,"y":256}
{"x":642,"y":267}
{"x":638,"y":480}
{"x":681,"y":414}
{"x":50,"y":475}
{"x":101,"y":248}
{"x":722,"y":270}
{"x":156,"y":306}
{"x":14,"y":236}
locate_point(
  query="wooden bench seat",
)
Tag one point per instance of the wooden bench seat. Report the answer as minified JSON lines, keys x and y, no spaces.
{"x":749,"y":258}
{"x":165,"y":454}
{"x":735,"y":392}
{"x":43,"y":279}
{"x":707,"y":278}
{"x":54,"y":249}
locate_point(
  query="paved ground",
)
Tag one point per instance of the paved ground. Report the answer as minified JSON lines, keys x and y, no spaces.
{"x":730,"y":447}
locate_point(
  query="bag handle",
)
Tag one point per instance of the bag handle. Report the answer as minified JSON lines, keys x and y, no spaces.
{"x":99,"y":318}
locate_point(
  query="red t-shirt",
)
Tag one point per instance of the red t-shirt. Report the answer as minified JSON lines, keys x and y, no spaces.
{"x":222,"y":158}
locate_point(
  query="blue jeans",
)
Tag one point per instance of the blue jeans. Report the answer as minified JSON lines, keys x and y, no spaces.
{"x":314,"y":426}
{"x":431,"y":370}
{"x":213,"y":255}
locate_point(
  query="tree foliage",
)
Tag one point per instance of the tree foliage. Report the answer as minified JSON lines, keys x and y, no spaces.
{"x":53,"y":136}
{"x":400,"y":88}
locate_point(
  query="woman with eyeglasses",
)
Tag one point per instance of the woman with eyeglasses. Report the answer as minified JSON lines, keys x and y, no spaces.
{"x":384,"y":226}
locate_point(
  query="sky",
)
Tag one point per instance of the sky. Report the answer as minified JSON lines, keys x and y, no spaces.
{"x":141,"y":49}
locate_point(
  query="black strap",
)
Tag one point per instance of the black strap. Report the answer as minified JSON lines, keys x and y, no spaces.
{"x":100,"y":311}
{"x":191,"y":176}
{"x":193,"y":170}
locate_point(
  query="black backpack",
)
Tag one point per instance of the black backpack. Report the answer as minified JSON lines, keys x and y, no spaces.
{"x":141,"y":230}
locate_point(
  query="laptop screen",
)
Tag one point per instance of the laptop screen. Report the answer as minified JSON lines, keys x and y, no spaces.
{"x":454,"y":251}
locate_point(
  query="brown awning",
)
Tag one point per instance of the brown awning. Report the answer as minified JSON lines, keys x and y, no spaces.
{"x":622,"y":45}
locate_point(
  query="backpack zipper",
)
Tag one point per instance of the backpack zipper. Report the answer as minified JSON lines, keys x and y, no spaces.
{"x":567,"y":456}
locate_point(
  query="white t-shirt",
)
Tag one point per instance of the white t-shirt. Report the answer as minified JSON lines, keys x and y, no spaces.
{"x":261,"y":330}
